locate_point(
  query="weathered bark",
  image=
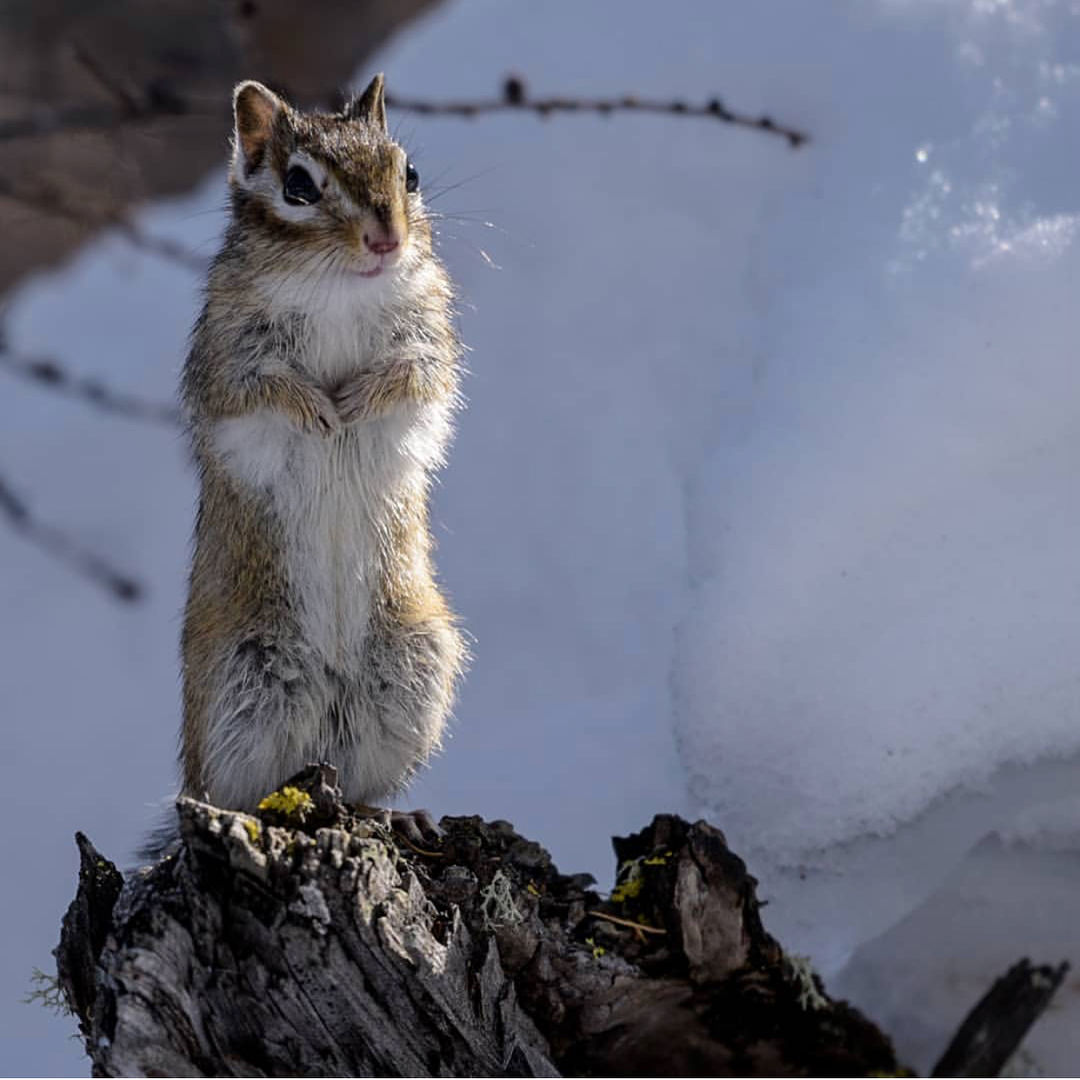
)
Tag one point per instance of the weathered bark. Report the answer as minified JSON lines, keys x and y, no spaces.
{"x":996,"y":1026}
{"x":85,"y":928}
{"x":321,"y":947}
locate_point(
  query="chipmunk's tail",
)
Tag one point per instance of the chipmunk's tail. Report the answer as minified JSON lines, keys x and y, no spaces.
{"x":163,"y":839}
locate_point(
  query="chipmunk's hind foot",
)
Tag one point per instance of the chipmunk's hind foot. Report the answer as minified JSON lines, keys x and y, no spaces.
{"x":418,"y":828}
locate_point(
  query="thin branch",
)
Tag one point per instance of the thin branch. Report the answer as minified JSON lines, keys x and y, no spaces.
{"x":998,"y":1023}
{"x":162,"y":246}
{"x":162,"y":101}
{"x":48,"y":200}
{"x":637,"y":927}
{"x":111,"y":83}
{"x":515,"y":98}
{"x":60,"y":546}
{"x":46,"y":372}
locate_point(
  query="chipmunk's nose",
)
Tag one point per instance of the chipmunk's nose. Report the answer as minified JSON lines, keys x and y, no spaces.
{"x":381,"y":245}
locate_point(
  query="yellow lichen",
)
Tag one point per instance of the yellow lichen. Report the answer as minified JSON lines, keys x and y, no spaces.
{"x":532,"y":889}
{"x":632,"y":873}
{"x":290,"y":802}
{"x":629,"y":888}
{"x":252,"y":830}
{"x":597,"y":950}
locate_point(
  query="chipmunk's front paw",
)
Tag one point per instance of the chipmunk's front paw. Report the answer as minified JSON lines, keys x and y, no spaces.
{"x":322,"y":414}
{"x":353,"y":400}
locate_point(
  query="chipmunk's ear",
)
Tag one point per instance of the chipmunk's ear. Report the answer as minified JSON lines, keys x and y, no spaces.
{"x":255,"y":110}
{"x":370,"y":106}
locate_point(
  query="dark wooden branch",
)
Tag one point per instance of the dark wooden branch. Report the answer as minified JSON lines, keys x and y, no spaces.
{"x":59,"y":545}
{"x":155,"y":103}
{"x":16,"y":511}
{"x":84,"y":929}
{"x":50,"y":374}
{"x":114,"y":83}
{"x":308,"y":942}
{"x":40,"y":122}
{"x":997,"y":1025}
{"x":49,"y":200}
{"x":515,"y":98}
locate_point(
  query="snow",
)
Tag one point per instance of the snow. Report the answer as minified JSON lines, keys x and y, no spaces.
{"x":763,"y":507}
{"x":889,"y":554}
{"x":1003,"y":901}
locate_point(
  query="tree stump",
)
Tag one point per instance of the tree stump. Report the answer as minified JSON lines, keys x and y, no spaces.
{"x":310,"y":942}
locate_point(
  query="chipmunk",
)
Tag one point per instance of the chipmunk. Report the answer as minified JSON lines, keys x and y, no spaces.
{"x":319,"y":391}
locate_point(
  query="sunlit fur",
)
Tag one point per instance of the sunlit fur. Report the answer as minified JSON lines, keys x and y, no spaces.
{"x":320,"y":401}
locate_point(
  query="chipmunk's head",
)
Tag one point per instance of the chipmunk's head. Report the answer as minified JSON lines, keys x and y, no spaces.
{"x":326,"y":196}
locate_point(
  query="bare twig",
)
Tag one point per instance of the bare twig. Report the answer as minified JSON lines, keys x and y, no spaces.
{"x":160,"y":102}
{"x":110,"y":82}
{"x":49,"y":373}
{"x":80,"y":118}
{"x":48,"y":200}
{"x":998,"y":1023}
{"x":58,"y":544}
{"x":515,"y":98}
{"x":637,"y":927}
{"x":162,"y":246}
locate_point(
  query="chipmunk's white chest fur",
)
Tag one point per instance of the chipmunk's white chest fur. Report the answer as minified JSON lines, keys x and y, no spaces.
{"x":333,"y":497}
{"x":330,"y":497}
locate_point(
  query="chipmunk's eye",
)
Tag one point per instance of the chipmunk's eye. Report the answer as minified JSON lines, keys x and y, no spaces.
{"x":300,"y":189}
{"x":412,"y":177}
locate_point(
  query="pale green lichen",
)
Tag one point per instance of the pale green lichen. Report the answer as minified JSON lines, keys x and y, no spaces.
{"x":799,"y":970}
{"x":597,"y":950}
{"x":290,"y":802}
{"x":46,"y":991}
{"x":497,"y":904}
